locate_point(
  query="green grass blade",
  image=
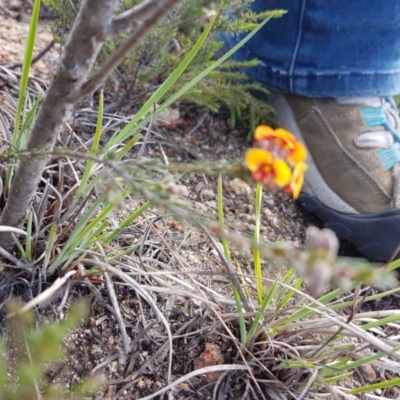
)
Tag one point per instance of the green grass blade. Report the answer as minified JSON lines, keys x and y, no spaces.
{"x":116,"y":156}
{"x":394,"y":265}
{"x":367,"y":360}
{"x":49,"y":248}
{"x":127,"y":148}
{"x":19,"y":245}
{"x":337,"y":378}
{"x":29,"y":48}
{"x":73,"y":241}
{"x":27,"y":61}
{"x":381,"y":322}
{"x":256,"y":251}
{"x":374,"y":297}
{"x":93,"y":151}
{"x":96,"y":220}
{"x":265,"y":303}
{"x":213,"y":66}
{"x":375,"y":386}
{"x":221,"y":218}
{"x":162,"y":90}
{"x":127,"y":222}
{"x":28,"y":238}
{"x":121,"y":254}
{"x":289,"y":295}
{"x":235,"y":291}
{"x":307,"y":311}
{"x":94,"y":236}
{"x":23,"y":135}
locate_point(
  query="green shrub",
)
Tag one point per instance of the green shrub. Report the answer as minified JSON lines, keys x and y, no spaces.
{"x":29,"y":350}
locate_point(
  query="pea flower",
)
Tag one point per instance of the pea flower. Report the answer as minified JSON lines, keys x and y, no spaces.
{"x":277,"y":159}
{"x":267,"y":169}
{"x":281,"y":143}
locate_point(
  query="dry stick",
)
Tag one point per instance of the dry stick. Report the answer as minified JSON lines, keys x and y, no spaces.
{"x":47,"y":294}
{"x":150,"y":301}
{"x":141,"y":11}
{"x":311,"y":380}
{"x":35,"y":59}
{"x":231,"y":273}
{"x":147,"y":134}
{"x":92,"y":28}
{"x":81,"y":50}
{"x":113,"y":298}
{"x":115,"y":304}
{"x":201,"y":371}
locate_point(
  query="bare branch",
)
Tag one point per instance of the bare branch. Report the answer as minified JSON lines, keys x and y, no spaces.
{"x":81,"y":50}
{"x":93,"y":26}
{"x":159,"y":9}
{"x":135,"y":15}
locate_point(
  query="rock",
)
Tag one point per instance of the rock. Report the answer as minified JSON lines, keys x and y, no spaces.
{"x":168,"y":118}
{"x":199,"y":186}
{"x":212,"y":355}
{"x":241,"y":188}
{"x":212,"y":204}
{"x":208,"y":194}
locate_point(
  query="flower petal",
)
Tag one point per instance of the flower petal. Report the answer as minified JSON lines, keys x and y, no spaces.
{"x":282,"y":173}
{"x":298,"y":153}
{"x":285,"y":135}
{"x":297,"y":179}
{"x":283,"y":139}
{"x":256,"y":157}
{"x":263,"y":132}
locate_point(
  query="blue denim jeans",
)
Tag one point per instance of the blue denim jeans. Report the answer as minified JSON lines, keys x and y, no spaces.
{"x":327,"y":48}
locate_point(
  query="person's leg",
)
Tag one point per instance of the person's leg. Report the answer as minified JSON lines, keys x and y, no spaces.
{"x":332,"y":66}
{"x":327,"y":48}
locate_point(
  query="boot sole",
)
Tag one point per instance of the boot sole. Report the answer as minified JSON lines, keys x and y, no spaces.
{"x":375,"y":235}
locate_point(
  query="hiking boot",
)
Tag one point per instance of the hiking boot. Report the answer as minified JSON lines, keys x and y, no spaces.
{"x":353,"y":180}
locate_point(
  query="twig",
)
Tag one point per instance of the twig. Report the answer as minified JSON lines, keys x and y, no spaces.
{"x":35,"y":59}
{"x":310,"y":381}
{"x":201,"y":371}
{"x":137,"y":14}
{"x":231,"y":272}
{"x":47,"y":294}
{"x":147,"y":134}
{"x":151,"y":302}
{"x":115,"y":304}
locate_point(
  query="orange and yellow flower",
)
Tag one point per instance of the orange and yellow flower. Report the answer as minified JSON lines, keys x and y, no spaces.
{"x":277,"y":159}
{"x":280,"y":142}
{"x":267,"y":169}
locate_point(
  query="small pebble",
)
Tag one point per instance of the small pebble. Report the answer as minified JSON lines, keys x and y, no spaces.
{"x":240,"y":187}
{"x":208,"y":194}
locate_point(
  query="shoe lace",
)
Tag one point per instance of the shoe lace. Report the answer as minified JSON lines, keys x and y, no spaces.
{"x":384,"y":122}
